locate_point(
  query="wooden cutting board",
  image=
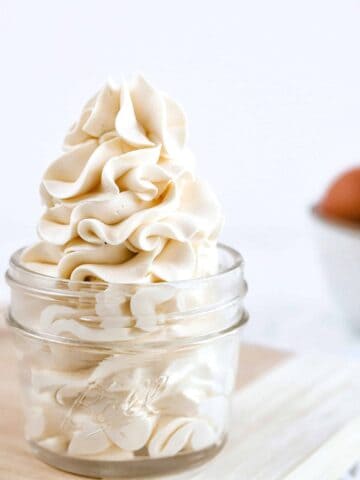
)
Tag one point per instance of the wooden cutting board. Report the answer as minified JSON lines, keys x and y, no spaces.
{"x":294,"y":419}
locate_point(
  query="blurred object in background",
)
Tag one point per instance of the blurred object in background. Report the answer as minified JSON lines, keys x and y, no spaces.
{"x":342,"y":199}
{"x":337,"y":225}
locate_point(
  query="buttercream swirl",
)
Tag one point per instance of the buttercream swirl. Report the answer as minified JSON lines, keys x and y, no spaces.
{"x":123,"y":204}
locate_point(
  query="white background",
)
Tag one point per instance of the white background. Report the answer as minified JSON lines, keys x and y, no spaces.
{"x":272,"y":93}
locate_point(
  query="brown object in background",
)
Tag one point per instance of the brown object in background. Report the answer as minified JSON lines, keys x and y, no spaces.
{"x":342,"y":199}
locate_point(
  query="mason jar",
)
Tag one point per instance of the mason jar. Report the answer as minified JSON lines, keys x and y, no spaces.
{"x":127,"y":380}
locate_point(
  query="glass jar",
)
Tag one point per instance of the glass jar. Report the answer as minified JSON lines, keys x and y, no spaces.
{"x":127,"y":380}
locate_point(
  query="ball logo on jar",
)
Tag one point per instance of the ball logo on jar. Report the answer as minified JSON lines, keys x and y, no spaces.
{"x":104,"y":401}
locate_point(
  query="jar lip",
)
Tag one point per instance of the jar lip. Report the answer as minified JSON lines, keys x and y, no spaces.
{"x":15,"y":265}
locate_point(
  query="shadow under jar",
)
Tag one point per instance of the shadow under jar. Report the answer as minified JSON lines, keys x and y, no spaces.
{"x":130,"y":380}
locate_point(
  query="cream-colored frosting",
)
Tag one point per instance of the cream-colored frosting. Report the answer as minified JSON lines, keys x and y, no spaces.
{"x":122,"y":202}
{"x":123,"y":206}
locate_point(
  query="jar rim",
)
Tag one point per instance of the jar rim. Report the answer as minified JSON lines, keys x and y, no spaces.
{"x":228,"y":286}
{"x":18,"y":270}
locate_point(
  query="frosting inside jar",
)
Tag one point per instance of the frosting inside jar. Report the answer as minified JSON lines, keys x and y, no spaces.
{"x":123,"y":206}
{"x":122,"y":203}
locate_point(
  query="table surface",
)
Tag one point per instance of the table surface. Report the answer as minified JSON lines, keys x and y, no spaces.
{"x":289,"y":412}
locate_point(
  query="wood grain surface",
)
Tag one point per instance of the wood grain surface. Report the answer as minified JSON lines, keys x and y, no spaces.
{"x":295,"y":418}
{"x":301,"y":421}
{"x":17,"y":462}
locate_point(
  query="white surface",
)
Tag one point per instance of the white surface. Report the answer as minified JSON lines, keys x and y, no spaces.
{"x":272,"y":93}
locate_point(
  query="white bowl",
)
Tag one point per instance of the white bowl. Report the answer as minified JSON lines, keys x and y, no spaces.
{"x":339,"y":249}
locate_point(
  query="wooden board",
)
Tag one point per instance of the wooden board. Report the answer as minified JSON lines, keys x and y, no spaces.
{"x":299,"y":422}
{"x":289,"y":414}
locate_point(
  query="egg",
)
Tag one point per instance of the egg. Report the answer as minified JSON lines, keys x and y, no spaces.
{"x":342,"y":199}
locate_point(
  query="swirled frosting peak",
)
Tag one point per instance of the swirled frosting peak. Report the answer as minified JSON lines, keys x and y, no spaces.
{"x":122,"y":203}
